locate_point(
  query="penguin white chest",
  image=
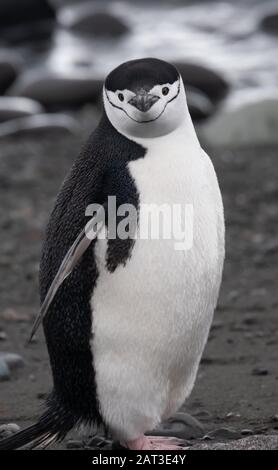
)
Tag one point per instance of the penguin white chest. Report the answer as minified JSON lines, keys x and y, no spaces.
{"x":151,"y":316}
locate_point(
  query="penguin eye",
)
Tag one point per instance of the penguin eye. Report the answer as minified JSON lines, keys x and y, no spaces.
{"x":121,"y":97}
{"x":165,"y":90}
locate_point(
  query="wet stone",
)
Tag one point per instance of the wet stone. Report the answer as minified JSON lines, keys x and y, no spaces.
{"x":6,"y":430}
{"x":4,"y":371}
{"x":247,"y":432}
{"x":12,"y":360}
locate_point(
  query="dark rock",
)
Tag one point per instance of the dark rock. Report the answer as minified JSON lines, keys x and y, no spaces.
{"x":4,"y":371}
{"x":56,"y":90}
{"x":250,"y":319}
{"x":209,"y":82}
{"x":8,"y":73}
{"x":224,"y":433}
{"x":200,"y":106}
{"x":260,"y":371}
{"x":12,"y":360}
{"x":18,"y":12}
{"x":39,"y":123}
{"x":232,"y":414}
{"x":269,"y":23}
{"x":85,"y":19}
{"x":42,"y":395}
{"x":15,"y":107}
{"x":6,"y":430}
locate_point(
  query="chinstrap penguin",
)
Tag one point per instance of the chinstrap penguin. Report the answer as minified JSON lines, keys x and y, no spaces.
{"x":126,"y":330}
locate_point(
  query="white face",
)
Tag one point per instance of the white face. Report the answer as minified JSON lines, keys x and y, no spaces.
{"x":146,"y":114}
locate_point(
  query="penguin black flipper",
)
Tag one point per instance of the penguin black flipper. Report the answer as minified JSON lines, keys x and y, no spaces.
{"x":76,"y":251}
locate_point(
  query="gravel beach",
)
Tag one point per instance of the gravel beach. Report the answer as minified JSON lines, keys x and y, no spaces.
{"x":235,"y":395}
{"x":54,"y":56}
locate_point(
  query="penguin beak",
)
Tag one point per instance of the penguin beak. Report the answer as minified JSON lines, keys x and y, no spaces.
{"x":143,"y":100}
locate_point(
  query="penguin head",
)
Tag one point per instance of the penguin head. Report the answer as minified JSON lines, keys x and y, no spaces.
{"x":145,"y":98}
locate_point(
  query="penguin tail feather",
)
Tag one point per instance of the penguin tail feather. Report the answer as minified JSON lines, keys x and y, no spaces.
{"x":52,"y":427}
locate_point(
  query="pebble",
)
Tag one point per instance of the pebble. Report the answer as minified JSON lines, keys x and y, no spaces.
{"x":42,"y":396}
{"x":86,"y":20}
{"x":12,"y":360}
{"x":203,"y":414}
{"x":260,"y":371}
{"x":71,"y":88}
{"x":181,"y":425}
{"x":4,"y":371}
{"x":7,"y":430}
{"x":74,"y":444}
{"x":250,"y":319}
{"x":11,"y":315}
{"x":247,"y":432}
{"x":3,"y":336}
{"x":14,"y":107}
{"x":209,"y":82}
{"x":39,"y":123}
{"x":224,"y":433}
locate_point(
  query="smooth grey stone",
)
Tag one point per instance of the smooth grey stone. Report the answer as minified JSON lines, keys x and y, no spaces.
{"x":181,"y":425}
{"x":6,"y":430}
{"x":211,"y":83}
{"x":39,"y":123}
{"x":224,"y":433}
{"x":52,"y":89}
{"x":12,"y":360}
{"x":88,"y":20}
{"x":269,"y":23}
{"x":15,"y":107}
{"x":253,"y":123}
{"x":4,"y":371}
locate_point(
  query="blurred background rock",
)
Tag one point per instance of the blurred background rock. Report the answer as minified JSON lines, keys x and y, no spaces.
{"x":57,"y":52}
{"x":54,"y":55}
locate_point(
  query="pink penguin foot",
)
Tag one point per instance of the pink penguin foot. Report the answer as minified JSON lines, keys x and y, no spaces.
{"x":155,"y":443}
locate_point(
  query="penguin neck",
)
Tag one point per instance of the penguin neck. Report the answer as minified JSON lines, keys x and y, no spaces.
{"x":185,"y":133}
